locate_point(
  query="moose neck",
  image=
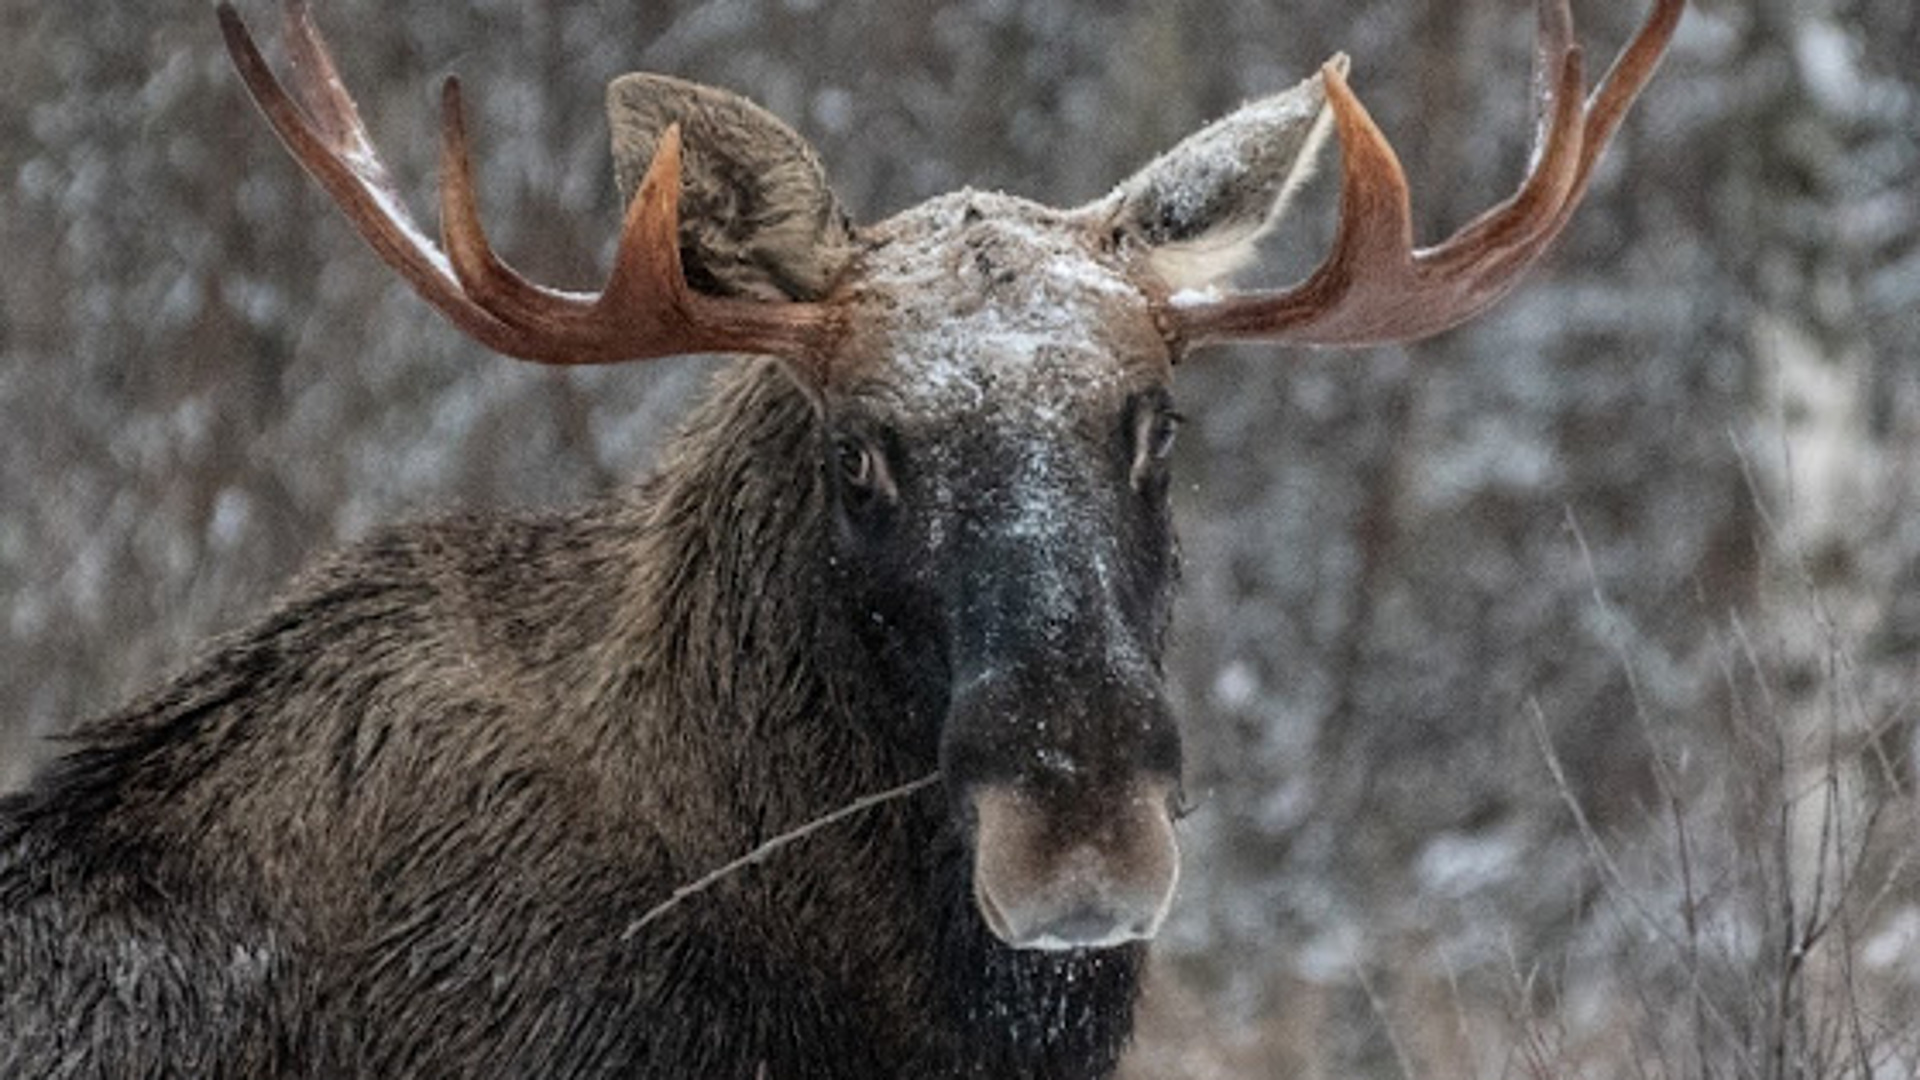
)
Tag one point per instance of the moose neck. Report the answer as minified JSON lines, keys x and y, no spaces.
{"x":717,"y":651}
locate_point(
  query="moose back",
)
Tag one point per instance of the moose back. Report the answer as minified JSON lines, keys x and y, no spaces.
{"x":437,"y":811}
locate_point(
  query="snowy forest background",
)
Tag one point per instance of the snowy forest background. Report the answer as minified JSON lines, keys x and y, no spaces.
{"x":1549,"y":687}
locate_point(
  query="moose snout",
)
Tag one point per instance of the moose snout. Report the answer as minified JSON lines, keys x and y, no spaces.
{"x":1075,"y":872}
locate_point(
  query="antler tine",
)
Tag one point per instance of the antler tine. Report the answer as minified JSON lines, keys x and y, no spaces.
{"x":647,"y":282}
{"x":1551,"y":44}
{"x":646,"y":303}
{"x":1372,"y":291}
{"x":340,"y":162}
{"x":319,"y":89}
{"x":486,"y":279}
{"x":1622,"y":84}
{"x":648,"y":311}
{"x":1511,"y":235}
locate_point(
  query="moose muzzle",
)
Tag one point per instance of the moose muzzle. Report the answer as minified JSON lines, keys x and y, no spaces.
{"x":1062,"y":870}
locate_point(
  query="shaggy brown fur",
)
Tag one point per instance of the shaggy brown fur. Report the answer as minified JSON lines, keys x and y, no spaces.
{"x":398,"y":826}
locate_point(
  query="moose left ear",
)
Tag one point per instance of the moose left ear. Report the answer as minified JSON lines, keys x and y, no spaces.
{"x":756,"y":216}
{"x":1201,"y":208}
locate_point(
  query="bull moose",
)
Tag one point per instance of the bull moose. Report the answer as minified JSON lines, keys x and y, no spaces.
{"x":441,"y":811}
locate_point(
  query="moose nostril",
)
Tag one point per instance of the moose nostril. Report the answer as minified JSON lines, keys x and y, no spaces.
{"x":1087,"y":927}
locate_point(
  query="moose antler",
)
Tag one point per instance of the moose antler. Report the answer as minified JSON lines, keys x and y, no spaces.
{"x":1374,"y":287}
{"x":646,"y":310}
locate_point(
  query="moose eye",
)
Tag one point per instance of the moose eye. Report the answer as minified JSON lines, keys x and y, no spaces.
{"x":855,"y":461}
{"x":1161,"y":430}
{"x":865,"y":478}
{"x":1154,"y":427}
{"x":864,"y":489}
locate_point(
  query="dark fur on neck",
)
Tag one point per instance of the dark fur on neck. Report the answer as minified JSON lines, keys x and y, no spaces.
{"x":399,"y":825}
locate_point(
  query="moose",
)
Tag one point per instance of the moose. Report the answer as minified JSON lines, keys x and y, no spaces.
{"x":438,"y":811}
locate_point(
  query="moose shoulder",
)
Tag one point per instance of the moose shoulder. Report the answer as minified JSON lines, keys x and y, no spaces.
{"x":433,"y":814}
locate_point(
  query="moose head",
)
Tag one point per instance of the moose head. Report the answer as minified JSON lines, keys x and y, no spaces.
{"x":989,"y":382}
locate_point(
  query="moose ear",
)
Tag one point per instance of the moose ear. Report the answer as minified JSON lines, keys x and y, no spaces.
{"x":1201,"y":208}
{"x":756,"y":216}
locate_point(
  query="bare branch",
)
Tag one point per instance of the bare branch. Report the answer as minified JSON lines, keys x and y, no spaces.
{"x":768,"y":849}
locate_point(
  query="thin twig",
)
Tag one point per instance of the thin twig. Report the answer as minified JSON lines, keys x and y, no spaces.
{"x":1460,"y":1018}
{"x":1374,"y":1001}
{"x":766,"y":850}
{"x":1666,"y":780}
{"x":1596,"y":847}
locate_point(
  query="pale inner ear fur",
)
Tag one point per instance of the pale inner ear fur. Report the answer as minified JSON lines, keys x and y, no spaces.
{"x":756,"y":215}
{"x":1202,"y":207}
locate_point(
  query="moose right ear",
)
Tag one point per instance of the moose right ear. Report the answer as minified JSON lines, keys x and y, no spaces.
{"x":756,"y":216}
{"x":1200,"y":208}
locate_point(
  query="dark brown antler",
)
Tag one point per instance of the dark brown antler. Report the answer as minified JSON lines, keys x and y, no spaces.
{"x":1374,"y":287}
{"x":646,"y":311}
